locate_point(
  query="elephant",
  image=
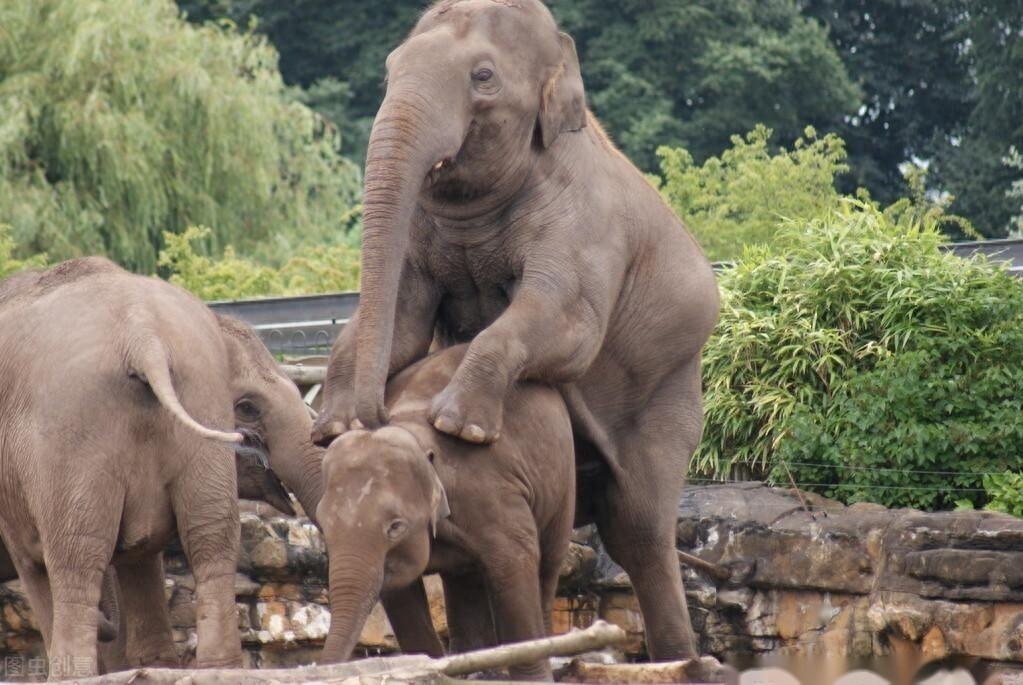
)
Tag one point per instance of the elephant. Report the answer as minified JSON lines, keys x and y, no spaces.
{"x":256,"y":481}
{"x":494,"y":520}
{"x":101,"y":462}
{"x":497,"y":212}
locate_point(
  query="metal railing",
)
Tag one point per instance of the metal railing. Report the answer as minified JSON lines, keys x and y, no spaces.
{"x":308,"y":325}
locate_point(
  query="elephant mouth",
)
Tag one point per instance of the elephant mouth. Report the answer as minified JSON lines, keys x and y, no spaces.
{"x":439,"y":171}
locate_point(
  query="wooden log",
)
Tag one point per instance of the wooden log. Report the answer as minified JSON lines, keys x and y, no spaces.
{"x":409,"y":668}
{"x":598,"y":636}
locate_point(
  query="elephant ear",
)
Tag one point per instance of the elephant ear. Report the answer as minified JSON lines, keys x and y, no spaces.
{"x":439,"y":498}
{"x":562,"y":100}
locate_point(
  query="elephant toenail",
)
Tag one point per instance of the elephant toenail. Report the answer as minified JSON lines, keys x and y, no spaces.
{"x":474,"y":433}
{"x":357,"y":425}
{"x":445,"y":425}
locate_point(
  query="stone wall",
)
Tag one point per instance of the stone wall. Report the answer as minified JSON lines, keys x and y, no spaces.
{"x":851,"y":582}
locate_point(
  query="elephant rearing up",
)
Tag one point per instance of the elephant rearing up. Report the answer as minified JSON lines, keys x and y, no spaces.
{"x":496,"y":211}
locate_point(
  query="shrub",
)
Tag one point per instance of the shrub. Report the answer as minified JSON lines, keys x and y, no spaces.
{"x":854,"y":344}
{"x":741,"y":197}
{"x":196,"y":128}
{"x":1004,"y":492}
{"x":8,"y":264}
{"x":326,"y":268}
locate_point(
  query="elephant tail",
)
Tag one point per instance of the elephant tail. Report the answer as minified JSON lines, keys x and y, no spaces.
{"x":152,"y":367}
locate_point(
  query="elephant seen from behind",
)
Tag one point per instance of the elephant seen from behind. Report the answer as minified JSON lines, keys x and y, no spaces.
{"x":122,"y":400}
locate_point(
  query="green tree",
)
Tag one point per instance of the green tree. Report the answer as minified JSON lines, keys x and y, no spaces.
{"x":742,"y":197}
{"x":119,"y":121}
{"x":661,"y":72}
{"x":318,"y":269}
{"x":8,"y":264}
{"x":970,"y":163}
{"x":694,"y":74}
{"x":905,"y":55}
{"x":334,"y":49}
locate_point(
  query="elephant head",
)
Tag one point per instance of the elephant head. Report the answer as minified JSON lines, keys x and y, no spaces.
{"x":270,"y":414}
{"x":381,"y":502}
{"x":256,"y":480}
{"x":477,"y":95}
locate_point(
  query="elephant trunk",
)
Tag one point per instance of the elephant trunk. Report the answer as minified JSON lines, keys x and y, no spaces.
{"x":294,"y":457}
{"x":410,"y":135}
{"x":305,"y":476}
{"x":355,"y":583}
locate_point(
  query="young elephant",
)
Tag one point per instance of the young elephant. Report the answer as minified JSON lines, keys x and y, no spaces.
{"x":100,"y":461}
{"x":509,"y":509}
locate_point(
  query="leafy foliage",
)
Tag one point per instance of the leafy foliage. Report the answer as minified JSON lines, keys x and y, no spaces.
{"x":1014,"y":160}
{"x":8,"y":264}
{"x":119,"y":121}
{"x":326,"y":268}
{"x":657,"y":72}
{"x":969,"y":164}
{"x":906,"y":57}
{"x":741,"y":197}
{"x":693,"y":74}
{"x":336,"y":50}
{"x":853,"y":345}
{"x":1005,"y":492}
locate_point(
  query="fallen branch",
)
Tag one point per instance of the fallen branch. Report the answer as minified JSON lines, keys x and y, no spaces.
{"x":380,"y":669}
{"x":598,"y":636}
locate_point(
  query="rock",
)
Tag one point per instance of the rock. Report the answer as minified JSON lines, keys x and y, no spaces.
{"x":579,"y":566}
{"x":622,"y":610}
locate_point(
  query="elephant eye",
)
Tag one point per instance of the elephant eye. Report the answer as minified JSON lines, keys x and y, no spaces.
{"x":247,"y":410}
{"x":483,"y":74}
{"x":396,"y":528}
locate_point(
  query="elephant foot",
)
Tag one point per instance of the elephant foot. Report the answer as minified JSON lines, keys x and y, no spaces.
{"x":472,"y":416}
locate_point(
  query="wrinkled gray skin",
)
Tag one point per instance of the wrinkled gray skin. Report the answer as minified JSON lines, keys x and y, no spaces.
{"x":120,"y":397}
{"x":508,"y":508}
{"x":496,"y":211}
{"x":256,"y":481}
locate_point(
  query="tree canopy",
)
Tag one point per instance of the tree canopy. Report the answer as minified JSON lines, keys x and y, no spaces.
{"x":119,"y":121}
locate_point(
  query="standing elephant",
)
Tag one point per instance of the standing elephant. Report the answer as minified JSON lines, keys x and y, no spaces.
{"x":497,"y":211}
{"x":101,"y":461}
{"x":493,"y":520}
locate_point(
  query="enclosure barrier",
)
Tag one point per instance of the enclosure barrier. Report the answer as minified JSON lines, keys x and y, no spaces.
{"x":308,"y":325}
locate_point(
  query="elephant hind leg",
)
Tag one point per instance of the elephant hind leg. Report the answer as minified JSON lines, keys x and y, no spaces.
{"x":637,"y":516}
{"x":470,"y":622}
{"x":75,"y":565}
{"x":148,"y":639}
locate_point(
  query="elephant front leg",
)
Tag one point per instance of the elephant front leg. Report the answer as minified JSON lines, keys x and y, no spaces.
{"x":408,"y":610}
{"x":539,"y":337}
{"x":418,"y":300}
{"x":512,"y":581}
